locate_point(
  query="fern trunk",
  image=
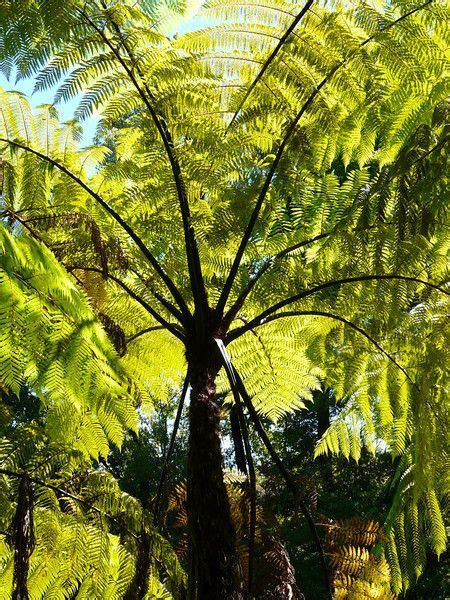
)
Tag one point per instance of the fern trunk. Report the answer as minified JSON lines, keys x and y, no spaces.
{"x":215,"y":569}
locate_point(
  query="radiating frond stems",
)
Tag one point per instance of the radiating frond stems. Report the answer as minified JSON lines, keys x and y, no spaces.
{"x":192,"y":255}
{"x":270,"y":59}
{"x":231,"y":314}
{"x":137,"y":240}
{"x":286,"y":476}
{"x":257,"y":209}
{"x":238,"y":304}
{"x":168,"y":305}
{"x":271,"y":262}
{"x":172,"y":327}
{"x":360,"y":330}
{"x":323,"y":286}
{"x":270,"y":175}
{"x":168,"y":457}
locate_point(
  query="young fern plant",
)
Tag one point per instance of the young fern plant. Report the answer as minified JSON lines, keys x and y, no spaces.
{"x":269,"y":201}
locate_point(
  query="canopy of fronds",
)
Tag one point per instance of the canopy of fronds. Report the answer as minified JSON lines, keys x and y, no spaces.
{"x":333,"y":117}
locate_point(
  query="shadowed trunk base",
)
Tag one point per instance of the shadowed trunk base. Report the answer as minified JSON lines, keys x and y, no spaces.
{"x":215,"y":569}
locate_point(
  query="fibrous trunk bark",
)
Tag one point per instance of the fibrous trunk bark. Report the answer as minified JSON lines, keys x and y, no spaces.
{"x":22,"y":534}
{"x":215,"y":571}
{"x":137,"y":589}
{"x":322,"y":403}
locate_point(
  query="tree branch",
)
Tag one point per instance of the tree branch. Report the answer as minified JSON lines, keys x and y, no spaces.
{"x":142,"y":247}
{"x":289,"y":132}
{"x":328,"y":284}
{"x":144,"y":331}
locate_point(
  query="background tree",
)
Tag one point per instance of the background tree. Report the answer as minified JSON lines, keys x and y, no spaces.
{"x":342,"y":489}
{"x":275,"y":195}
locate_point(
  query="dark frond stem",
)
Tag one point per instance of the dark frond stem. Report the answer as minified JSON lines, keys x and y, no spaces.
{"x":168,"y":305}
{"x":249,"y":459}
{"x":167,"y":458}
{"x":14,"y":217}
{"x":328,"y":284}
{"x":271,"y":58}
{"x":437,"y":146}
{"x":315,"y":313}
{"x":257,"y":209}
{"x":163,"y":301}
{"x":239,"y":302}
{"x":22,"y":534}
{"x":252,"y":490}
{"x":238,"y":444}
{"x":286,"y":476}
{"x":270,"y":175}
{"x":174,"y":330}
{"x":145,"y":331}
{"x":192,"y":255}
{"x":137,"y":240}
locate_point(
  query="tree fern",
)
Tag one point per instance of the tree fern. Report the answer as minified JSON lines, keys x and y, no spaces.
{"x":276,"y":183}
